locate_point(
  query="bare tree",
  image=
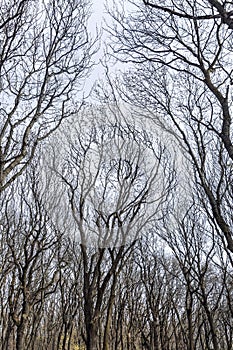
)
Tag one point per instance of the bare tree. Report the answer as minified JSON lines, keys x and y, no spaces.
{"x":45,"y":52}
{"x":183,"y":78}
{"x":205,"y":267}
{"x":115,"y":185}
{"x":214,"y":10}
{"x":30,"y":276}
{"x":172,"y":296}
{"x":146,"y":293}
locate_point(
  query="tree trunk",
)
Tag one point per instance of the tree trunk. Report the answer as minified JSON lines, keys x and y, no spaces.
{"x":91,"y":336}
{"x":22,"y":327}
{"x":20,"y":340}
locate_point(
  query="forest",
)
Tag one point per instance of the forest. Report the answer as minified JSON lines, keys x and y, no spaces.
{"x":116,"y":204}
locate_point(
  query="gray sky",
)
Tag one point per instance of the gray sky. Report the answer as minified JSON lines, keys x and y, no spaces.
{"x":95,"y":22}
{"x":98,"y":11}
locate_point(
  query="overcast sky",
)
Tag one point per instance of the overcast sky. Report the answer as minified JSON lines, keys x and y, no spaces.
{"x":98,"y":10}
{"x":96,"y":21}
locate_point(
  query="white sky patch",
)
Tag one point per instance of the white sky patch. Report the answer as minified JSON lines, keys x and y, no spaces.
{"x":95,"y":27}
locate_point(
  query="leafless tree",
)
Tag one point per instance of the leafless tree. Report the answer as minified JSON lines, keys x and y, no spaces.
{"x":45,"y":52}
{"x":173,"y":297}
{"x":183,"y":78}
{"x":171,"y":288}
{"x":114,"y":178}
{"x":214,"y":10}
{"x":206,"y":271}
{"x":30,"y":274}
